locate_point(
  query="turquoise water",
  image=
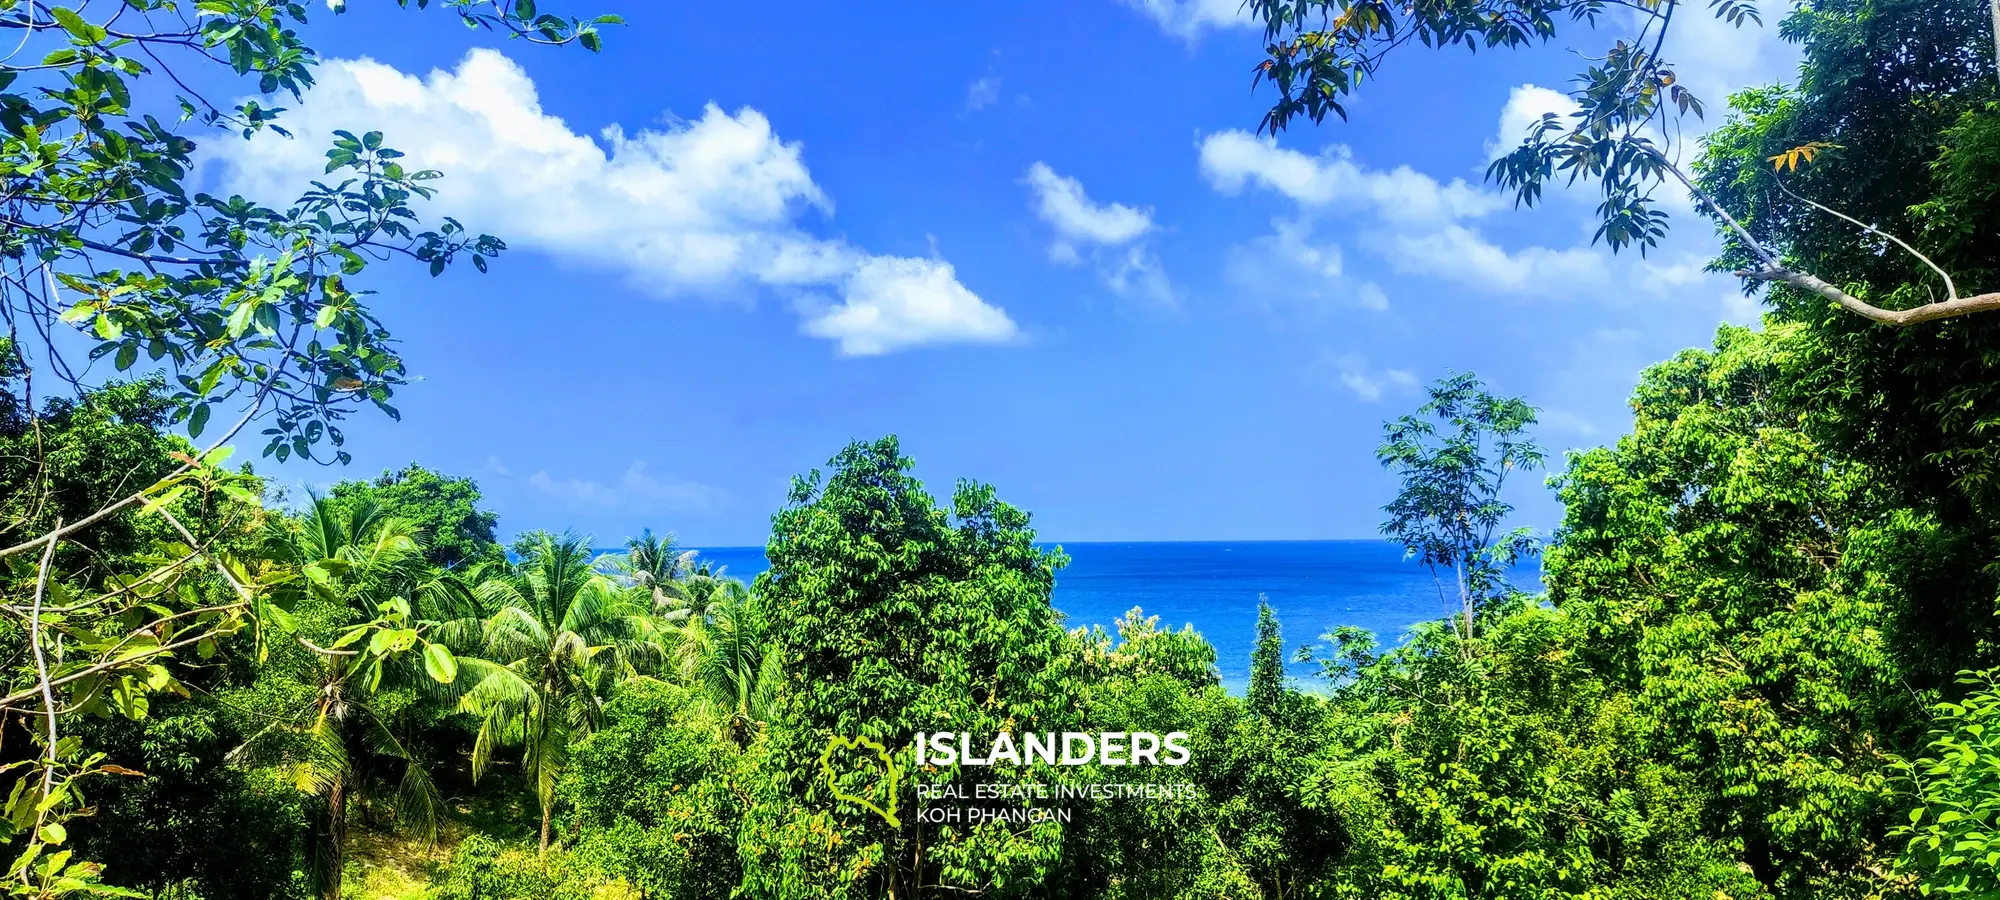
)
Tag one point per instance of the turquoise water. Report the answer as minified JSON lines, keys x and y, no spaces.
{"x":1213,"y":585}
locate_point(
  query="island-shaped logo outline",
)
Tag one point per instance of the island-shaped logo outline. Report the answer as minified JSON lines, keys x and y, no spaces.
{"x":894,"y":778}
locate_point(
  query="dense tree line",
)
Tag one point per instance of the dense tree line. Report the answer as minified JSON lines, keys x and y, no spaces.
{"x":1763,"y":665}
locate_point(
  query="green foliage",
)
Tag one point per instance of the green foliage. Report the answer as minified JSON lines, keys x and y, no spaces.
{"x":485,"y":869}
{"x":555,"y":640}
{"x":77,"y":454}
{"x":728,"y":654}
{"x":654,"y":795}
{"x":160,"y":831}
{"x":444,"y":509}
{"x":1455,"y":455}
{"x":1135,"y":848}
{"x":1267,"y":663}
{"x":1767,"y":603}
{"x":1141,"y":647}
{"x":1907,"y":81}
{"x":1948,"y":841}
{"x":235,"y":305}
{"x":329,"y":710}
{"x":896,"y":616}
{"x":1629,"y":100}
{"x":1503,"y":767}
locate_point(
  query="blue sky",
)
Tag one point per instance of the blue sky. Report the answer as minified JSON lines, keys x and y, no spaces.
{"x":1037,"y":240}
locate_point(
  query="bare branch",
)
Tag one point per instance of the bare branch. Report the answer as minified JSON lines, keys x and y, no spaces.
{"x":42,"y":664}
{"x":1950,"y":289}
{"x":86,"y":521}
{"x":1774,"y":270}
{"x":1930,"y":312}
{"x":241,"y":591}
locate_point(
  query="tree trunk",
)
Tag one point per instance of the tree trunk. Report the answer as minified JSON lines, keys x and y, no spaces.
{"x":546,"y":809}
{"x":1465,"y":592}
{"x":336,"y":835}
{"x":1996,"y":35}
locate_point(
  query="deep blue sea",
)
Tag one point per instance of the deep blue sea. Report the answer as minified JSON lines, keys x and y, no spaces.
{"x":1214,"y":585}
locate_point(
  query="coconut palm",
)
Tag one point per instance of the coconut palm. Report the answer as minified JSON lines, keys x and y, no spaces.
{"x":557,"y":638}
{"x":324,"y":731}
{"x":697,"y":593}
{"x":652,"y":564}
{"x":354,"y":555}
{"x":726,"y":653}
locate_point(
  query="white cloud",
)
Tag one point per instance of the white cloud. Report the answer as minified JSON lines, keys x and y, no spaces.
{"x":1370,"y":385}
{"x":1418,"y":225}
{"x":1186,"y":19}
{"x":1232,"y":160}
{"x":497,"y":468}
{"x":703,"y":206}
{"x":1458,"y":253}
{"x":638,"y":489}
{"x":1526,"y":104}
{"x":982,"y":93}
{"x":1110,"y":233}
{"x":1137,"y":273}
{"x":1061,"y":202}
{"x":1415,"y":223}
{"x":1291,"y":268}
{"x":892,"y":303}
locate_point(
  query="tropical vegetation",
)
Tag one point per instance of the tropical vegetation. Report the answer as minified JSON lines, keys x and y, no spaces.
{"x":1761,"y":664}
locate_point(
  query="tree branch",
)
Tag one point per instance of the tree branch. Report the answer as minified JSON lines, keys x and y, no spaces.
{"x":1775,"y":271}
{"x":1930,"y":312}
{"x":243,"y":592}
{"x":42,"y":663}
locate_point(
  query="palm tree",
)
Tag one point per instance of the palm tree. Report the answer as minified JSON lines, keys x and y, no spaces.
{"x":558,"y":637}
{"x":727,"y":654}
{"x":697,"y":593}
{"x":653,"y":564}
{"x":327,"y":733}
{"x":353,"y":554}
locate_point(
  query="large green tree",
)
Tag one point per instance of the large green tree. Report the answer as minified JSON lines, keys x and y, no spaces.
{"x":1778,"y":614}
{"x":457,"y":533}
{"x":893,"y":616}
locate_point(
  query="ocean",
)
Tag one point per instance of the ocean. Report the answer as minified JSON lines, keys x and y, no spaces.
{"x":1214,"y":585}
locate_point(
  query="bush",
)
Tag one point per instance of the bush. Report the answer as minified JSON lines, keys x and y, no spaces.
{"x":651,"y":798}
{"x":485,"y":869}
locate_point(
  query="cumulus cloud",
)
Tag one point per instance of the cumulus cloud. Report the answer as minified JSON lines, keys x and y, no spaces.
{"x":638,"y":490}
{"x":1233,"y":160}
{"x":1526,"y":104}
{"x":1187,"y":19}
{"x":1061,"y":202}
{"x":893,"y":303}
{"x":1112,"y":234}
{"x":703,"y":206}
{"x":1415,"y":224}
{"x":1461,"y":254}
